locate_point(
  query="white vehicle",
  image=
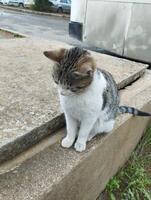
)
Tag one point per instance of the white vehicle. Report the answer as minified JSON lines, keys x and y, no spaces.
{"x":122,"y":27}
{"x":21,"y":3}
{"x":4,"y":2}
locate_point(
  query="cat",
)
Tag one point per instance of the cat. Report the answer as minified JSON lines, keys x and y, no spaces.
{"x":88,"y":96}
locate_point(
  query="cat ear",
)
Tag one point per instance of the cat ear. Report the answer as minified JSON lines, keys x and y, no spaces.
{"x":55,"y":55}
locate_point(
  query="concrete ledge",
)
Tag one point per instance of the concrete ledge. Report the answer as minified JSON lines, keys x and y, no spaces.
{"x":29,"y":104}
{"x":57,"y":173}
{"x":66,"y":16}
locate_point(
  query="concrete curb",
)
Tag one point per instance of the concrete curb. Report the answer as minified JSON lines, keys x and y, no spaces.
{"x":57,"y":173}
{"x":41,"y":99}
{"x":15,"y":33}
{"x":66,"y":16}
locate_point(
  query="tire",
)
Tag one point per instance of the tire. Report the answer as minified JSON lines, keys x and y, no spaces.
{"x":60,"y":10}
{"x":21,"y":5}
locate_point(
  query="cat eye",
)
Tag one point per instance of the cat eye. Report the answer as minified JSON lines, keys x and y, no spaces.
{"x":56,"y":81}
{"x":73,"y":90}
{"x":78,"y":75}
{"x":80,"y":87}
{"x":90,"y":73}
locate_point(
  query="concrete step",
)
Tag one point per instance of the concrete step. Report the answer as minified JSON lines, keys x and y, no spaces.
{"x":29,"y":107}
{"x":56,"y":173}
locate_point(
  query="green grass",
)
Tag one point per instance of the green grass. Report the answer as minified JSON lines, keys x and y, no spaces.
{"x":133,"y":182}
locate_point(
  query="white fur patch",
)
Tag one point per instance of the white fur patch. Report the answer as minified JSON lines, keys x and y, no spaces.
{"x":84,"y":110}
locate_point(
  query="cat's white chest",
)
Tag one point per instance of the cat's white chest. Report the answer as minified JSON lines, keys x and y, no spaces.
{"x":87,"y":104}
{"x":81,"y":106}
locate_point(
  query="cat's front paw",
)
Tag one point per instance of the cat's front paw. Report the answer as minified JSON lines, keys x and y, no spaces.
{"x":66,"y":142}
{"x":79,"y":146}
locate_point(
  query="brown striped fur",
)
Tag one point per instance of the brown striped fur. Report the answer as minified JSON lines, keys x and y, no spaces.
{"x":74,"y":68}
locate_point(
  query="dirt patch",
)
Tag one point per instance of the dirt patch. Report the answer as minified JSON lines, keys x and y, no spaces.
{"x":8,"y":35}
{"x":5,"y":35}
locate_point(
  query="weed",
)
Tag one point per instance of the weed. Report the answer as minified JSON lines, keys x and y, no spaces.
{"x":133,"y":182}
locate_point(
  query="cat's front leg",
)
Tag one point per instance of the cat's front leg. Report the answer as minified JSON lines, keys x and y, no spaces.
{"x":85,"y":128}
{"x":72,"y":127}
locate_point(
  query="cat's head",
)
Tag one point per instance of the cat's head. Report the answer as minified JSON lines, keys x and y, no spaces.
{"x":73,"y":70}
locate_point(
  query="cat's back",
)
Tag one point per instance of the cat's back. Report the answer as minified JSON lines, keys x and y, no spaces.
{"x":110,"y":95}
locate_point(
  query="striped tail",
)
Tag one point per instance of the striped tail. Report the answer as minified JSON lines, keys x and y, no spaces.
{"x":133,"y":111}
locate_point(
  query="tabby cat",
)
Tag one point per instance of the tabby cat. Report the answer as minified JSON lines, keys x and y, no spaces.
{"x":88,"y":95}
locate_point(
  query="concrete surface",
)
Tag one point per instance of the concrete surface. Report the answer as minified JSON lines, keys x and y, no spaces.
{"x":47,"y":27}
{"x":28,"y":97}
{"x":57,"y":173}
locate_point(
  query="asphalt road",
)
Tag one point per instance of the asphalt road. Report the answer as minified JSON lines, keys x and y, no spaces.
{"x":47,"y":27}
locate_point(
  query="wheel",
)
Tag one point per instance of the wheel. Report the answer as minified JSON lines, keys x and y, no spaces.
{"x":60,"y":10}
{"x":21,"y":5}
